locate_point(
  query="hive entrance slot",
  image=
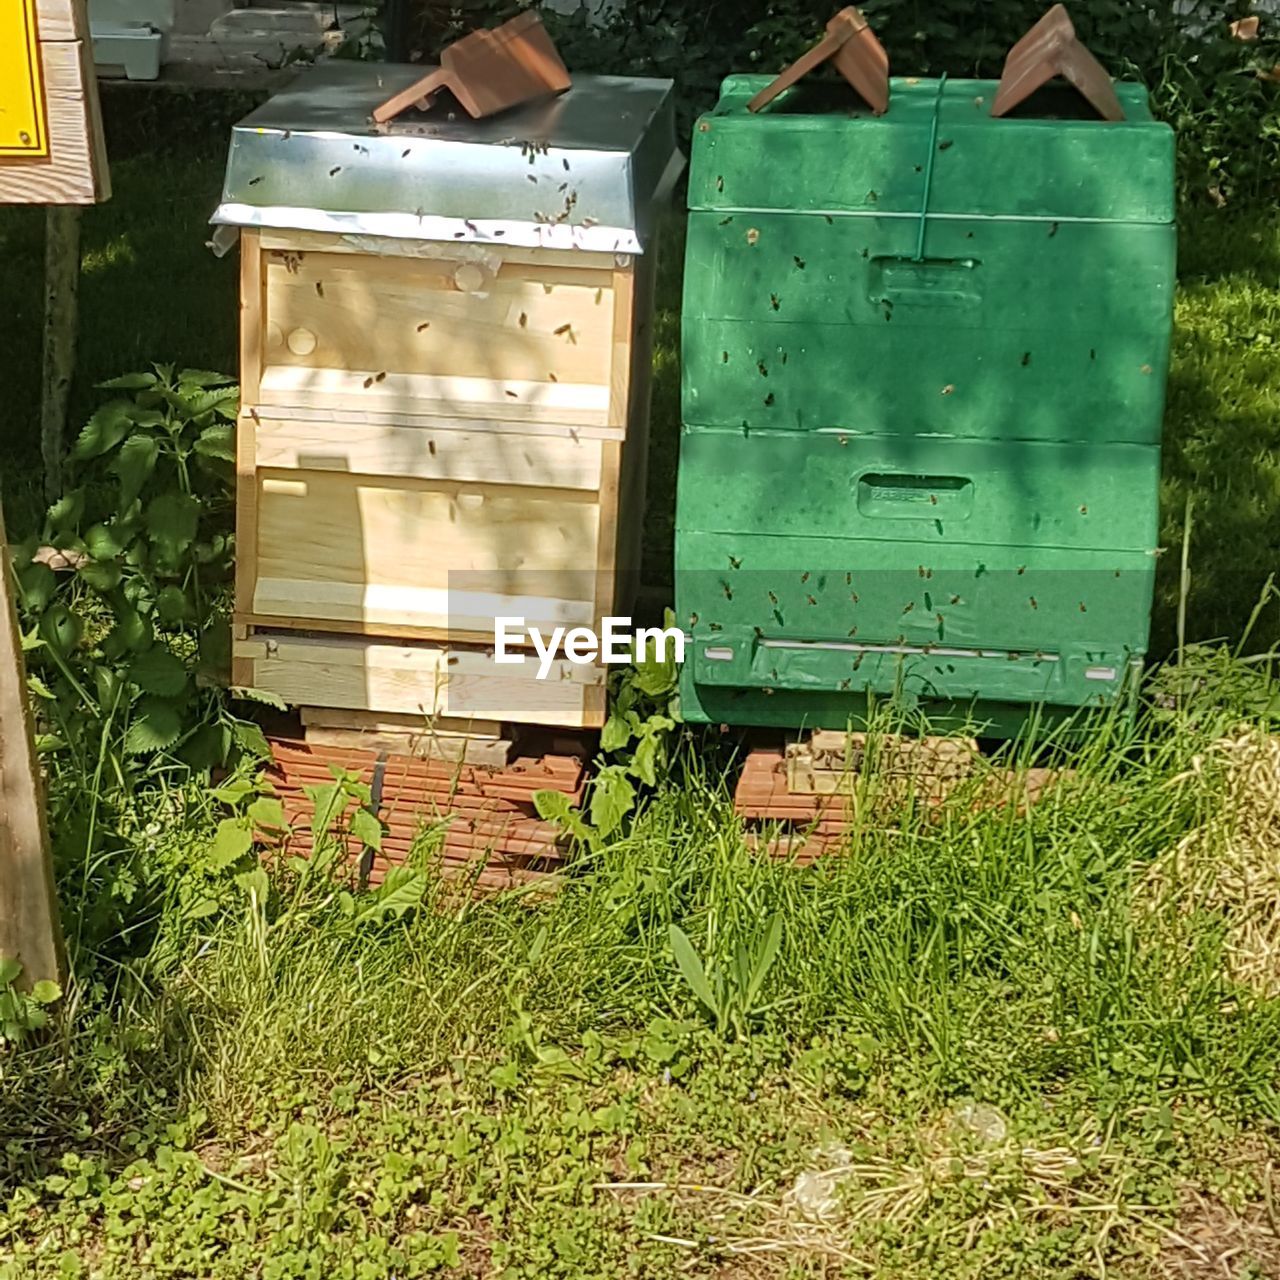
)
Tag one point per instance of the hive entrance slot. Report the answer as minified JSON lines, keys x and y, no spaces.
{"x":822,"y":95}
{"x":1054,"y":101}
{"x":852,"y":48}
{"x":426,"y":116}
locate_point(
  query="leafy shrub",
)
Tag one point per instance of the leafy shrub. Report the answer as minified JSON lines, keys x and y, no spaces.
{"x":123,"y":605}
{"x":146,"y":539}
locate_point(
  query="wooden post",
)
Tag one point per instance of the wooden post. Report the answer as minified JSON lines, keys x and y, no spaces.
{"x":52,"y":153}
{"x":29,"y":928}
{"x":61,"y":322}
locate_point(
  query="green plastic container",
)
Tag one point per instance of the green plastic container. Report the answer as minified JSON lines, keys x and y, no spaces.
{"x":925,"y":358}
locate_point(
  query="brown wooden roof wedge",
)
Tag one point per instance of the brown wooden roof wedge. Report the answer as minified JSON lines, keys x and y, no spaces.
{"x":489,"y":71}
{"x":858,"y":56}
{"x":1052,"y":48}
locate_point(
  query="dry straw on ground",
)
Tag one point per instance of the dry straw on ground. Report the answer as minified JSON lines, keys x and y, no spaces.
{"x":1230,"y":864}
{"x":828,"y":1206}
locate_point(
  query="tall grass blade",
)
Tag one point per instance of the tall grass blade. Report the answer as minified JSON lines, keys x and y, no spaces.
{"x":691,"y":970}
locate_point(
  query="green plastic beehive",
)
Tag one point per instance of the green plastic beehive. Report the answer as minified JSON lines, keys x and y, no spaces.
{"x":925,"y":358}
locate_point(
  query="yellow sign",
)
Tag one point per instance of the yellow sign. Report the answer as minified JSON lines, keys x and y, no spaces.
{"x":23,"y":131}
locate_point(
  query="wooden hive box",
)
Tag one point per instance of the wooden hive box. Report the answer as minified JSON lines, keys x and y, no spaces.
{"x":445,"y":345}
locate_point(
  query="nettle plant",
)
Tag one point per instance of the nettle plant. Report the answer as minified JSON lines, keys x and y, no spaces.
{"x":124,"y":596}
{"x":635,"y":747}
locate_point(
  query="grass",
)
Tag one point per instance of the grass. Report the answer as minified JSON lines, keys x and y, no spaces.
{"x":993,"y":1042}
{"x":1222,"y":429}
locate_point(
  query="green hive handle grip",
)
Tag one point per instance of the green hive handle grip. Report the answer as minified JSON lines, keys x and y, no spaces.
{"x":901,"y":280}
{"x":897,"y":496}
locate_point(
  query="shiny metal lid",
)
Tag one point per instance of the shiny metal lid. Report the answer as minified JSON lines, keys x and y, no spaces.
{"x":580,"y":171}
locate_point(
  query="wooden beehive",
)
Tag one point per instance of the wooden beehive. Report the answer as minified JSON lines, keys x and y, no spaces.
{"x":446,"y":427}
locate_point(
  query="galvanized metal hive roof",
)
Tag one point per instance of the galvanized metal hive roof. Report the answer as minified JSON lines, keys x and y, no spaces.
{"x":579,"y":171}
